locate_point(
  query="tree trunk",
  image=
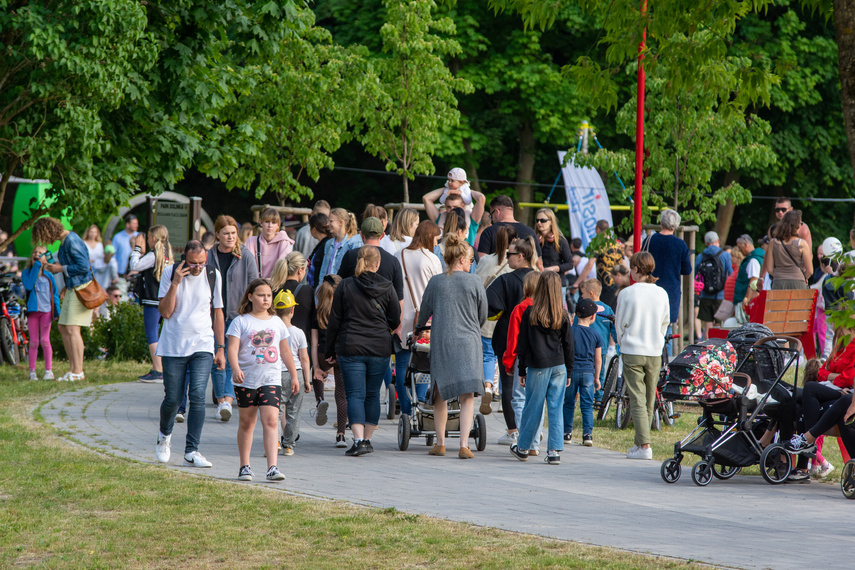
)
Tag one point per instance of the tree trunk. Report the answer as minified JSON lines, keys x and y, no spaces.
{"x":471,"y":170}
{"x":11,"y":165}
{"x":724,"y":214}
{"x":406,"y":189}
{"x":525,"y":171}
{"x":844,"y":28}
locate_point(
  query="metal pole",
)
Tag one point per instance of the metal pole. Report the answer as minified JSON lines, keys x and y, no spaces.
{"x":195,"y":217}
{"x":584,"y":137}
{"x":639,"y":137}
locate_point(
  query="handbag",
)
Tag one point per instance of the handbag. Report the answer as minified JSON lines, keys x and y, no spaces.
{"x":724,"y":312}
{"x":91,"y":295}
{"x":410,"y":287}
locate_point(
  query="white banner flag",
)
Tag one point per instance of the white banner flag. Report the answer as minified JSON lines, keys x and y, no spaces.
{"x":587,"y":200}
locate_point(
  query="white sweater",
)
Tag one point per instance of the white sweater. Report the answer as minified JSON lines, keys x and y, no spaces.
{"x":642,"y":318}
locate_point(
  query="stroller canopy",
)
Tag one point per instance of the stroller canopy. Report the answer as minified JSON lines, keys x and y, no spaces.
{"x":702,"y":371}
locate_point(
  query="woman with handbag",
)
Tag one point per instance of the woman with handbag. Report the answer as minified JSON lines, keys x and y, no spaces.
{"x":419,"y":264}
{"x":788,"y":260}
{"x":82,"y":292}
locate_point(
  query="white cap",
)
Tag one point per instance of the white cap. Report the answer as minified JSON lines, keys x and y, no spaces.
{"x":831,"y":246}
{"x":457,"y":174}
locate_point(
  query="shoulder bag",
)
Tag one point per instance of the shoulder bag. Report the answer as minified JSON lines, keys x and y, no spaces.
{"x":410,"y":287}
{"x":91,"y":295}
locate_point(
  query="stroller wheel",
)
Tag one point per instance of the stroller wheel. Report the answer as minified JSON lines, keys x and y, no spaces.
{"x":404,"y":432}
{"x":847,"y":479}
{"x":479,"y":428}
{"x":671,"y":470}
{"x":775,"y":464}
{"x":722,"y":472}
{"x":429,"y":439}
{"x":702,"y":473}
{"x":391,"y":402}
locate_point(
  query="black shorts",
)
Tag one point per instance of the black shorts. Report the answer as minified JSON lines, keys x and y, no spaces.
{"x":262,"y":396}
{"x":708,"y":309}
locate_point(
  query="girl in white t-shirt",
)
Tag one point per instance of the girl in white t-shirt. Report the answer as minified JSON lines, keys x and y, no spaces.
{"x":258,"y":347}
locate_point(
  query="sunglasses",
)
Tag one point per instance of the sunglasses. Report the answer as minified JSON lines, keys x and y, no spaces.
{"x":493,"y":213}
{"x":195,"y":265}
{"x":542,"y":221}
{"x":514,"y":253}
{"x":782,"y":210}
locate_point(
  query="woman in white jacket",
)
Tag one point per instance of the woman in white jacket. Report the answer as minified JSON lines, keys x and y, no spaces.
{"x":641,"y":321}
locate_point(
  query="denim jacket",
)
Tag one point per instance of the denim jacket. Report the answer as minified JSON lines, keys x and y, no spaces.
{"x":344,"y":248}
{"x":28,"y":278}
{"x":74,"y":258}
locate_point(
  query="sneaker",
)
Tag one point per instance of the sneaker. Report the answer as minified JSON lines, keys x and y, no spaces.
{"x":195,"y":459}
{"x":224,"y":411}
{"x":321,"y":415}
{"x":497,"y":397}
{"x":552,"y":458}
{"x":163,"y":448}
{"x":587,"y":440}
{"x":509,"y":438}
{"x":340,"y":441}
{"x":636,"y":452}
{"x":798,"y":444}
{"x":273,"y":474}
{"x":287,"y":450}
{"x":245,"y":473}
{"x":568,"y":437}
{"x":521,"y":455}
{"x":486,"y":403}
{"x":352,"y":451}
{"x":822,"y":471}
{"x":179,"y":417}
{"x":33,"y":375}
{"x":48,"y":375}
{"x":151,"y":378}
{"x":363,"y":447}
{"x":799,"y":476}
{"x":368,"y":446}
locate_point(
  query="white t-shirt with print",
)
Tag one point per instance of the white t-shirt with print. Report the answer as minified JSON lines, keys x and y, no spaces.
{"x":259,"y":357}
{"x":296,"y":341}
{"x":189,"y":330}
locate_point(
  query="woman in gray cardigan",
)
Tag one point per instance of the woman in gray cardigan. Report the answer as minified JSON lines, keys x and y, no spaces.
{"x":458,"y":304}
{"x":238,"y":270}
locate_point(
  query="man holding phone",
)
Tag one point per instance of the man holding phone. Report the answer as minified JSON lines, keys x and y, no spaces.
{"x":192,"y":338}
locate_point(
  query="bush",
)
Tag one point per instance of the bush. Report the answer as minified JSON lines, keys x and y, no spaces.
{"x":122,"y":335}
{"x":56,"y":343}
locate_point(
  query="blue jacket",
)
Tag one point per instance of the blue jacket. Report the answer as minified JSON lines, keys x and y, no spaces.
{"x":29,"y":277}
{"x":343,"y":248}
{"x":74,"y":258}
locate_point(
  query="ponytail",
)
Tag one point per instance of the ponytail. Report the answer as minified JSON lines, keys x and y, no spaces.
{"x":325,"y":298}
{"x":369,"y":256}
{"x":162,"y":249}
{"x":504,"y":236}
{"x":527,"y":248}
{"x":455,"y":249}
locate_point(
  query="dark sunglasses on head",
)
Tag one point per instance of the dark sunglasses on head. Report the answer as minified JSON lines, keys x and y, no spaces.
{"x":781,"y":209}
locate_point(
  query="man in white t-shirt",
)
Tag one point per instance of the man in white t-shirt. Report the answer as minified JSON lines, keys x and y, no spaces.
{"x":192,"y":338}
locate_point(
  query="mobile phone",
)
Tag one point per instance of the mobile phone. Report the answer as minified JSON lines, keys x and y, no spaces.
{"x":183,"y":257}
{"x":49,"y":256}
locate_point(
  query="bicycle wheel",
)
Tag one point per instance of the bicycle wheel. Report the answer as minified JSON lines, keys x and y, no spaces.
{"x":667,"y":412}
{"x":7,"y":343}
{"x":655,"y":421}
{"x":622,"y":413}
{"x":608,"y":387}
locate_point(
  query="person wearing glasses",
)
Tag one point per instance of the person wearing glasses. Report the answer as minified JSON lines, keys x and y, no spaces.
{"x":457,"y":304}
{"x":782,"y":206}
{"x":556,"y":251}
{"x":502,"y":213}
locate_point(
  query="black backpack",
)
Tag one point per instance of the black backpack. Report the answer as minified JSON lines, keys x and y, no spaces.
{"x":712,"y":271}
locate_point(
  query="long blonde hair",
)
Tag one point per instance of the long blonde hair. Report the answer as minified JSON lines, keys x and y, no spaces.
{"x":402,"y":223}
{"x":326,"y":290}
{"x":349,"y":221}
{"x":553,"y":228}
{"x":97,"y":237}
{"x":162,"y":249}
{"x":279,"y":275}
{"x":368,"y":256}
{"x":547,"y":308}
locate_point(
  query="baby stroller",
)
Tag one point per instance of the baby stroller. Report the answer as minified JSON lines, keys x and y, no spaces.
{"x":735,"y":395}
{"x":421,"y":424}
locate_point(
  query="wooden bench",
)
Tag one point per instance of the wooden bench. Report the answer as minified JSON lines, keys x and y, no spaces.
{"x":787,"y":312}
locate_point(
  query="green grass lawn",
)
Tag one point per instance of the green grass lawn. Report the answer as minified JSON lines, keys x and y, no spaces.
{"x":62,"y":505}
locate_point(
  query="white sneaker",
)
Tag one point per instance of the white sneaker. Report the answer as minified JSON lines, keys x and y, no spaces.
{"x":48,"y":375}
{"x":636,"y":452}
{"x":509,"y":438}
{"x":224,"y":411}
{"x":33,"y":375}
{"x":163,"y":448}
{"x":822,"y":471}
{"x":196,"y":459}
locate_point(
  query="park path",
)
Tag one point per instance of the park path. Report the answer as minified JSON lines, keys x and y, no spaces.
{"x":595,"y":496}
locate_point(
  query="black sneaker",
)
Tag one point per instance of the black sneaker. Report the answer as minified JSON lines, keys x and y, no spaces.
{"x":552,"y":458}
{"x":587,"y":440}
{"x":245,"y":473}
{"x":352,"y":451}
{"x":521,"y":455}
{"x":798,"y":444}
{"x":368,"y":445}
{"x":799,"y":476}
{"x":363,"y":447}
{"x":568,"y":437}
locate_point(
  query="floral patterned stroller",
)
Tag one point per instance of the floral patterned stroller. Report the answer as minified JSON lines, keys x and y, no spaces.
{"x":728,"y":434}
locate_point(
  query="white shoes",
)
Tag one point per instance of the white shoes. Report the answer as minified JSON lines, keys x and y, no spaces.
{"x":224,"y":411}
{"x":195,"y":459}
{"x":48,"y":375}
{"x":163,"y":448}
{"x":636,"y":452}
{"x":509,"y":438}
{"x":33,"y":375}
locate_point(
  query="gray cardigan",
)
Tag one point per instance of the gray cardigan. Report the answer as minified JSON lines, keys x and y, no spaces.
{"x":241,"y":273}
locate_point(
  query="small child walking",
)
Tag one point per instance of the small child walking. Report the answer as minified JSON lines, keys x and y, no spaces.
{"x":42,"y":308}
{"x":292,"y":403}
{"x":587,"y":362}
{"x":545,"y":353}
{"x":258,"y":347}
{"x":605,"y":326}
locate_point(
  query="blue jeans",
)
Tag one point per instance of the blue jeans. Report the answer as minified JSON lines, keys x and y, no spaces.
{"x":363,"y":376}
{"x":543,"y":384}
{"x":222,"y":379}
{"x":198,"y":366}
{"x":489,"y":362}
{"x":402,"y":360}
{"x":582,"y":383}
{"x":518,"y":396}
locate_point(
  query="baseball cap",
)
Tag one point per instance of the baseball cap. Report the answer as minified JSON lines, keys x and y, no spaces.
{"x":831,"y":246}
{"x":585,"y":308}
{"x":457,"y":174}
{"x":284,"y":299}
{"x":372,"y":227}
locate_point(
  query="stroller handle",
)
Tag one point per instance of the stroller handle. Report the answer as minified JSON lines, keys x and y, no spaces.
{"x":422,"y":328}
{"x":792,"y":343}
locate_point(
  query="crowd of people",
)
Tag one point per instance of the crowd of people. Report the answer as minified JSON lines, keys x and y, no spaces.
{"x":514,"y":313}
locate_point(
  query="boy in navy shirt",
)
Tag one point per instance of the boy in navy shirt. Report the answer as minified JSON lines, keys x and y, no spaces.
{"x":591,"y":289}
{"x":585,"y":377}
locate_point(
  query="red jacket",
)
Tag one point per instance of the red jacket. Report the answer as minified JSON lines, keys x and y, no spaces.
{"x":842,"y":363}
{"x":514,"y":333}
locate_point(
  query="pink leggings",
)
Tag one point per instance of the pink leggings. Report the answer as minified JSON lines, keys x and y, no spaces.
{"x":39,"y":325}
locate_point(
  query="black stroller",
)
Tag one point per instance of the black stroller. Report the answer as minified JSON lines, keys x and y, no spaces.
{"x":738,"y":383}
{"x":421,"y":423}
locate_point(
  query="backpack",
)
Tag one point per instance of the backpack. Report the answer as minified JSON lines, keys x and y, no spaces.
{"x":712,"y":271}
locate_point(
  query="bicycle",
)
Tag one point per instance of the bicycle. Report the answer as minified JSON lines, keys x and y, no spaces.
{"x":14,"y":344}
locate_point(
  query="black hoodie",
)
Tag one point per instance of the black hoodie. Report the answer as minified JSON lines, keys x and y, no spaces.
{"x":365,"y":310}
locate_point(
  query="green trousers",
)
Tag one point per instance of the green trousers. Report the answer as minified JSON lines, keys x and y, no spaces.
{"x":641,"y":373}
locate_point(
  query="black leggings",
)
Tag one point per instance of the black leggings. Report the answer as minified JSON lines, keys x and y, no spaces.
{"x":814,"y":395}
{"x":834,"y":416}
{"x":507,"y":381}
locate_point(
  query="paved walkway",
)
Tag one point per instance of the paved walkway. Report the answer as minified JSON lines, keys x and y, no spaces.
{"x":595,"y":496}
